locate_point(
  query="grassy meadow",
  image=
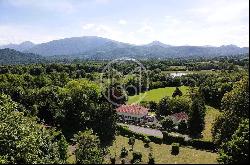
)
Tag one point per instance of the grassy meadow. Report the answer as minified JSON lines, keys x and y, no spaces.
{"x":156,"y":94}
{"x":161,"y":153}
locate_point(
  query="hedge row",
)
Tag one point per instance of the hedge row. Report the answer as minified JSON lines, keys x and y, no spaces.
{"x":202,"y":144}
{"x":169,"y":139}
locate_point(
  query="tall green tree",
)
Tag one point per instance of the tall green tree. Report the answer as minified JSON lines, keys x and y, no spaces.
{"x":196,"y":116}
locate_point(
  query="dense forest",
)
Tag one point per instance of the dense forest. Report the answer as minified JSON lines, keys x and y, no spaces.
{"x":47,"y":106}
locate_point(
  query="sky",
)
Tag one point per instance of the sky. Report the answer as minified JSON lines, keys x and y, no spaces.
{"x":174,"y":22}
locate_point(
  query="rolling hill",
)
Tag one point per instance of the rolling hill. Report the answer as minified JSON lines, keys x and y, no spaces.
{"x":11,"y":56}
{"x":92,"y":47}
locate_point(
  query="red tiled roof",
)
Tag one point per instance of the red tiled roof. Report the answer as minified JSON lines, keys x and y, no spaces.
{"x":132,"y":109}
{"x":180,"y":116}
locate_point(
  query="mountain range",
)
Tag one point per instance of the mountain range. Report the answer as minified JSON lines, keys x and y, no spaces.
{"x":92,"y":47}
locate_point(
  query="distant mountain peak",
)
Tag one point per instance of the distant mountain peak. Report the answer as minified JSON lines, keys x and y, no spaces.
{"x":27,"y":42}
{"x":231,"y":46}
{"x":20,"y":47}
{"x":158,"y":43}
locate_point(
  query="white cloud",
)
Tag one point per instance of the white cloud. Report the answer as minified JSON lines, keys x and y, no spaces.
{"x":146,"y":29}
{"x":18,"y":34}
{"x":62,"y":6}
{"x":122,"y":22}
{"x":88,"y":26}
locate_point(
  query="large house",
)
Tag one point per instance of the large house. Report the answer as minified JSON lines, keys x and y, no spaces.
{"x":135,"y":113}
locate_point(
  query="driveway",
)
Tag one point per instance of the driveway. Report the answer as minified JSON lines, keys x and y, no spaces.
{"x":149,"y":131}
{"x":142,"y":130}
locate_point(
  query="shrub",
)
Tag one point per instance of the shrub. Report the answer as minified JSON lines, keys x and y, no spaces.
{"x":123,"y":161}
{"x":155,"y":139}
{"x":124,"y":152}
{"x":137,"y":156}
{"x":146,"y":140}
{"x":151,"y":159}
{"x":167,"y":124}
{"x":112,"y":160}
{"x":131,"y":142}
{"x":177,"y":92}
{"x":175,"y":148}
{"x":202,"y":144}
{"x":182,"y":127}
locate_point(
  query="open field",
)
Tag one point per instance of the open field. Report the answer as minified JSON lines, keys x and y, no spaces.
{"x":211,"y":115}
{"x":157,"y":94}
{"x":161,"y":153}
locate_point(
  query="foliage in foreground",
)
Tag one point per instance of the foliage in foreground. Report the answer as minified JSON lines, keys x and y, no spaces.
{"x":22,"y":140}
{"x":231,"y":130}
{"x":237,"y":149}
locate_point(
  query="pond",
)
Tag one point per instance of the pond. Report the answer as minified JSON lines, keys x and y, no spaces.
{"x":178,"y":74}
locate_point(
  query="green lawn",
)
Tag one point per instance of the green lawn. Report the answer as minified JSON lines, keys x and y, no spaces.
{"x":156,"y":94}
{"x":161,"y":153}
{"x":211,"y":115}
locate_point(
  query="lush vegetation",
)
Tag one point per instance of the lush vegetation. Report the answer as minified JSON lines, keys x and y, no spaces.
{"x":47,"y":107}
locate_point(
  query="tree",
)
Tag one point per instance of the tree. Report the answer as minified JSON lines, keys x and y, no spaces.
{"x":88,"y":149}
{"x":24,"y":141}
{"x":237,"y":100}
{"x":224,"y":127}
{"x":237,"y":149}
{"x":235,"y":105}
{"x":196,"y":116}
{"x":163,"y":107}
{"x":182,"y":126}
{"x":152,"y":106}
{"x":177,"y":92}
{"x":167,"y":124}
{"x":179,"y":104}
{"x":85,"y":107}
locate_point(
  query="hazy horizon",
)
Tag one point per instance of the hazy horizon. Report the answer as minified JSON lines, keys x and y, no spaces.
{"x":139,"y":22}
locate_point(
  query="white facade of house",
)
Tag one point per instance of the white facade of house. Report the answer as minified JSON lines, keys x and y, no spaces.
{"x":132,"y":117}
{"x":134,"y":113}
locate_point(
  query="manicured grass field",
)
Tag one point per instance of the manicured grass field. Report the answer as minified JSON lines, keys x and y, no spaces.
{"x":211,"y":115}
{"x":161,"y":153}
{"x":156,"y":94}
